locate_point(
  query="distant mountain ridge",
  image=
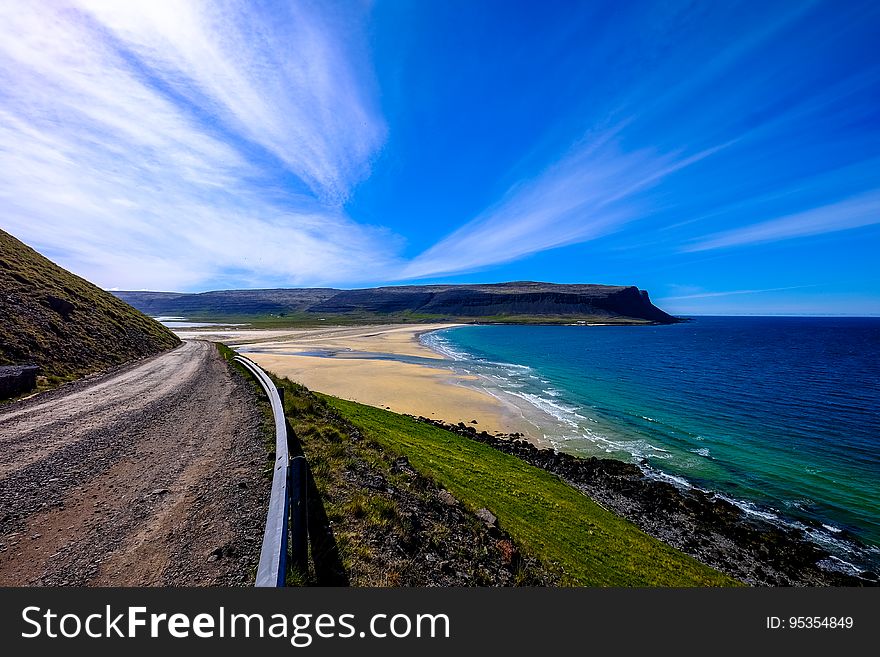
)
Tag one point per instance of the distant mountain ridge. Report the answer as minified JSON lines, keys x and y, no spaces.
{"x":519,"y":301}
{"x":66,"y":325}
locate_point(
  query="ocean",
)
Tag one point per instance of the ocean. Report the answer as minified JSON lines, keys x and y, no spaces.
{"x":779,"y":415}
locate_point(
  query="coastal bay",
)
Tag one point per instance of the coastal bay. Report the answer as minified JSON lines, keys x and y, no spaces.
{"x":575,"y":389}
{"x":384,"y":366}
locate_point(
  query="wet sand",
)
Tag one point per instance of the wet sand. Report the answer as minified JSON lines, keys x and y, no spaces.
{"x":359,"y":364}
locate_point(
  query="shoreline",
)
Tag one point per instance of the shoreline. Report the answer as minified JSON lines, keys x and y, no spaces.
{"x":389,"y":367}
{"x":697,"y":522}
{"x":849,"y":552}
{"x":385,"y":366}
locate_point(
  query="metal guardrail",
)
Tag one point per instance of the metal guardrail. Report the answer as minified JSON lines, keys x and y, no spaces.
{"x":289,"y":481}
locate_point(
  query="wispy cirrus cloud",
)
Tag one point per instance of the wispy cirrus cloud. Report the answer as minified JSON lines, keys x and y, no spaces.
{"x":287,"y":79}
{"x":597,"y":187}
{"x":586,"y":195}
{"x":738,"y":96}
{"x":158,"y":144}
{"x":854,"y":212}
{"x":186,"y":145}
{"x":728,"y":293}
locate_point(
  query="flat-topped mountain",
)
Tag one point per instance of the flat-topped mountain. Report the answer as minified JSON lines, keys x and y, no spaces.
{"x":63,"y":323}
{"x":521,"y":301}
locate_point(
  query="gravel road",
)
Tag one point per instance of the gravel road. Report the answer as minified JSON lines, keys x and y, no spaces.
{"x":148,"y":476}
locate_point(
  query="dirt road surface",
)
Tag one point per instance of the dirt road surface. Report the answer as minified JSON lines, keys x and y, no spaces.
{"x":150,"y":476}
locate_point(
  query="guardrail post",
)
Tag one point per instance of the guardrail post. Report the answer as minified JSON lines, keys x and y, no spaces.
{"x":280,"y":394}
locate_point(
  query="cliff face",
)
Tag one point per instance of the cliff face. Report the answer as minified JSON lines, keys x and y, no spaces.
{"x":505,"y":299}
{"x":63,"y":323}
{"x":517,"y":301}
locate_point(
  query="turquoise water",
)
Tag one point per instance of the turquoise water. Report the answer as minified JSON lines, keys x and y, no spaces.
{"x":779,"y":415}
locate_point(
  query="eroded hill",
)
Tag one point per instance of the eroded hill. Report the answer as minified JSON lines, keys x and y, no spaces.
{"x":63,"y":323}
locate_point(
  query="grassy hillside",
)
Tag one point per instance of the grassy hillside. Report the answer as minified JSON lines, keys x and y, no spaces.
{"x":375,"y":521}
{"x":63,"y":323}
{"x":576,"y":540}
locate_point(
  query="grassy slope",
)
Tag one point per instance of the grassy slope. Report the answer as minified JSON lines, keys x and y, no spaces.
{"x":385,"y":518}
{"x":64,"y":323}
{"x":585,"y":544}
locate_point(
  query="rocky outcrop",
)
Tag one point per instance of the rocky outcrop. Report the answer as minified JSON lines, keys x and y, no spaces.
{"x":17,"y":379}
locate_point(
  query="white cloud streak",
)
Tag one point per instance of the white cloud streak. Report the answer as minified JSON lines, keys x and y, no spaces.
{"x":595,"y":190}
{"x":132,"y":187}
{"x":611,"y":179}
{"x":585,"y":196}
{"x":286,"y":82}
{"x":728,"y":293}
{"x":166,"y":144}
{"x":854,"y":212}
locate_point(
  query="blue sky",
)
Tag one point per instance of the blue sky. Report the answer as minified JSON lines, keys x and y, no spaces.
{"x":724,"y":156}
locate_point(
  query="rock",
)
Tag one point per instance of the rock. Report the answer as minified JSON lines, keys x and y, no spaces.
{"x":17,"y":379}
{"x":61,"y":306}
{"x":401,"y":464}
{"x":509,"y":553}
{"x":474,"y":422}
{"x":487,"y":516}
{"x":375,"y":482}
{"x":447,"y":498}
{"x":160,"y":491}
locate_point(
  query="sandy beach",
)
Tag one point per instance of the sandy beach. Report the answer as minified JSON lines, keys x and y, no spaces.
{"x":361,"y":364}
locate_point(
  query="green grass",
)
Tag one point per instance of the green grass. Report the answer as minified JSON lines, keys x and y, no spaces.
{"x":379,"y":530}
{"x":574,"y":537}
{"x":356,"y":513}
